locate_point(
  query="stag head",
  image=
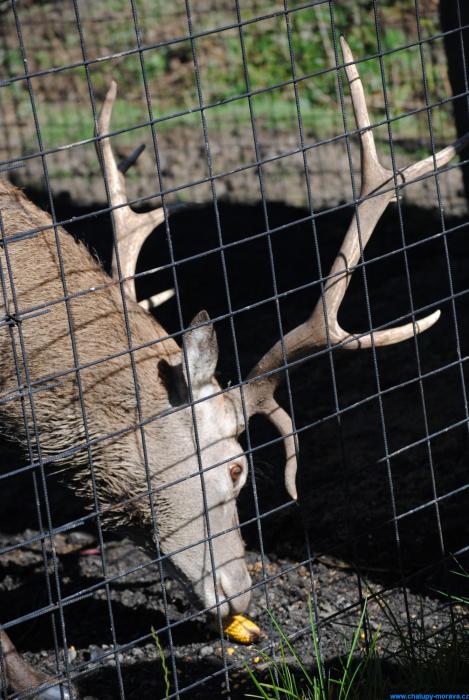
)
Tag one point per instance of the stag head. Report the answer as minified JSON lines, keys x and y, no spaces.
{"x":215,"y":417}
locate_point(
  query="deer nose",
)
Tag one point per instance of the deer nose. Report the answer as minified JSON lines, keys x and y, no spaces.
{"x":237,"y":591}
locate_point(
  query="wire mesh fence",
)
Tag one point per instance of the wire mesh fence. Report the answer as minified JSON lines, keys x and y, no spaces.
{"x":63,"y":102}
{"x":120,"y":430}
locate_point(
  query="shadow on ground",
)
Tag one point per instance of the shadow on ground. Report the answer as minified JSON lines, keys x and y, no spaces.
{"x":383,"y":436}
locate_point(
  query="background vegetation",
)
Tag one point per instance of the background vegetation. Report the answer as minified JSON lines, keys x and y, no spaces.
{"x":281,"y":49}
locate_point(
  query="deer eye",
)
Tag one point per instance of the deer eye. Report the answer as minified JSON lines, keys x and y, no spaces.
{"x":235,"y":471}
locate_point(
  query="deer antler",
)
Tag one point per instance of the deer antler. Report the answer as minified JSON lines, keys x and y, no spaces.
{"x":322,"y":329}
{"x":131,"y":229}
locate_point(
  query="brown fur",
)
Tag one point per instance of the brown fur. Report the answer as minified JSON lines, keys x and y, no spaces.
{"x":68,"y":389}
{"x":97,"y":322}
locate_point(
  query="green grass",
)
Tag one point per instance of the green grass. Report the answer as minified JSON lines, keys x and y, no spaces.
{"x":164,"y":663}
{"x":422,"y":664}
{"x":171,"y":80}
{"x":429,"y":662}
{"x":340,"y":683}
{"x":361,"y":672}
{"x":74,"y":123}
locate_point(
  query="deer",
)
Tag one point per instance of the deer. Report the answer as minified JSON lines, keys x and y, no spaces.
{"x":139,"y":424}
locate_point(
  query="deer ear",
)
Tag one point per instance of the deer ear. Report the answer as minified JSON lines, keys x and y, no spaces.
{"x":200,"y":342}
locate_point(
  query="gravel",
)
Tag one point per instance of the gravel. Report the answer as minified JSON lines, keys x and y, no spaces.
{"x":198,"y":650}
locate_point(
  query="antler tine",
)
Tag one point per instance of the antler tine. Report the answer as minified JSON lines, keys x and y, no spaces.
{"x":131,"y":229}
{"x":371,"y":168}
{"x":377,"y":191}
{"x":322,"y":327}
{"x":156,"y":300}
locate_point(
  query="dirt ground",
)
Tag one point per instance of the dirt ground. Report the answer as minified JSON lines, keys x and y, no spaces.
{"x":383,"y":471}
{"x":74,"y":174}
{"x":197,"y":651}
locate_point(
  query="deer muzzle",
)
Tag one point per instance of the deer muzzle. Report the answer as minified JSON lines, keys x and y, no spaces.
{"x":233,"y":590}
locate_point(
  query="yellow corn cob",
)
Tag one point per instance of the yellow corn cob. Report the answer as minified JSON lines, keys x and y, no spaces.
{"x":241,"y":630}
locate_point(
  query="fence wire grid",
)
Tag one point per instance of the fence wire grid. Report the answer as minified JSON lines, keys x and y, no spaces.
{"x":252,"y":152}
